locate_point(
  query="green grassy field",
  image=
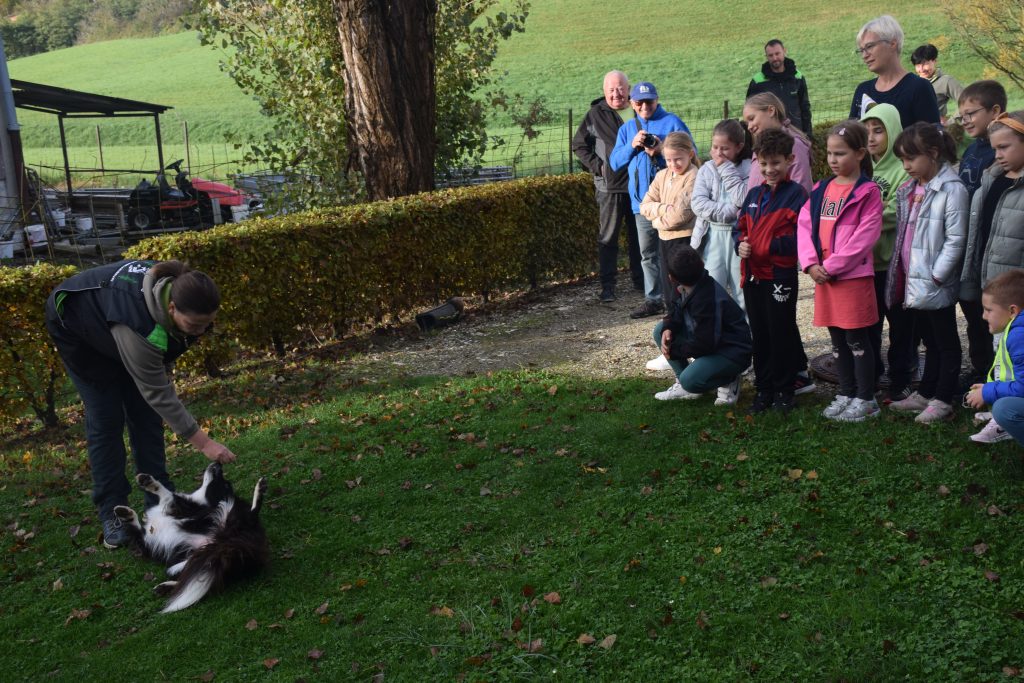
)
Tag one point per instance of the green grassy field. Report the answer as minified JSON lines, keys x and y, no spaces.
{"x":536,"y":526}
{"x":698,"y":54}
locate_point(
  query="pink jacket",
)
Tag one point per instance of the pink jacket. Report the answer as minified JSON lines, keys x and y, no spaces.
{"x":857,"y":228}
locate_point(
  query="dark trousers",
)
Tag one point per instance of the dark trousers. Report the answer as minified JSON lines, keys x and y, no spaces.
{"x":614,"y":211}
{"x":113,"y":402}
{"x":903,"y":339}
{"x":771,"y":312}
{"x":942,"y":352}
{"x":979,"y":341}
{"x":854,"y":361}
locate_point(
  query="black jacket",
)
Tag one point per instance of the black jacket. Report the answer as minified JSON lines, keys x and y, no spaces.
{"x":89,"y":302}
{"x":593,"y":143}
{"x":708,"y":321}
{"x":790,"y":86}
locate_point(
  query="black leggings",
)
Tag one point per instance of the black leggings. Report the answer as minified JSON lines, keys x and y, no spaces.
{"x":855,"y":362}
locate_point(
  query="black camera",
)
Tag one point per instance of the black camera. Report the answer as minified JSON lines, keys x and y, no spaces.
{"x":650,"y":141}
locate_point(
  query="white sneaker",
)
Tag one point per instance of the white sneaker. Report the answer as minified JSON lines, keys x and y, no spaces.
{"x":859,"y":410}
{"x":990,"y":433}
{"x":982,"y":418}
{"x":936,"y":411}
{"x":729,"y":394}
{"x":836,"y":407}
{"x":658,"y":363}
{"x":914,"y":403}
{"x":675,"y":393}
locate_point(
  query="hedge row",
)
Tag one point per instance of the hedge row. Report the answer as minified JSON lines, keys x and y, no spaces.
{"x":282,"y":277}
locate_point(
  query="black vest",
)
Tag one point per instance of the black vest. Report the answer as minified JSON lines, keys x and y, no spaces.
{"x":90,"y":302}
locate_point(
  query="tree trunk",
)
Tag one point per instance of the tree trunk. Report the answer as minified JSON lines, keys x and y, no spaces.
{"x":388,"y":48}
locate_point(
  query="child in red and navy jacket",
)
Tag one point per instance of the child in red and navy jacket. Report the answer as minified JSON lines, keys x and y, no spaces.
{"x":765,"y":238}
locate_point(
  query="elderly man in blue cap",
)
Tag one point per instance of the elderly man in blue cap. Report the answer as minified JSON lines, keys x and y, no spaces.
{"x":638,"y":148}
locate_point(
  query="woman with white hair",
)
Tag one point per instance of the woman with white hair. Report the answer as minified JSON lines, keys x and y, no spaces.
{"x":879,"y":44}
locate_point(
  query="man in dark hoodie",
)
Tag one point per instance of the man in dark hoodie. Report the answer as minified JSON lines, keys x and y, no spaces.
{"x":780,"y":77}
{"x":593,"y":142}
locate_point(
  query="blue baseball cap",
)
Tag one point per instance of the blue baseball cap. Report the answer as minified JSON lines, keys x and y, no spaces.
{"x":643,"y":91}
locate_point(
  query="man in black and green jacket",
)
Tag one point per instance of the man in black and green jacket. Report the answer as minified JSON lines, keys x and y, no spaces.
{"x":780,"y":77}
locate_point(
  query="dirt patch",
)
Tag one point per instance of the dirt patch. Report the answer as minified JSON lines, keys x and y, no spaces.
{"x":563,"y":328}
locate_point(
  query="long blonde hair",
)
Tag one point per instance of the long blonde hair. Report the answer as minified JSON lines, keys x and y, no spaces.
{"x":766,"y":101}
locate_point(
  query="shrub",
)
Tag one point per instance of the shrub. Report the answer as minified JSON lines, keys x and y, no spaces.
{"x":282,"y":277}
{"x":29,"y":365}
{"x":819,"y":158}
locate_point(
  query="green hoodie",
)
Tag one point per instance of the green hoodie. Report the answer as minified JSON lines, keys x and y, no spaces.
{"x":889,"y":175}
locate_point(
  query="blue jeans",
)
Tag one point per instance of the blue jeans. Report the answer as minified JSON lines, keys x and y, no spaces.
{"x":1009,"y":414}
{"x":110,"y":405}
{"x":704,"y":373}
{"x":650,"y":261}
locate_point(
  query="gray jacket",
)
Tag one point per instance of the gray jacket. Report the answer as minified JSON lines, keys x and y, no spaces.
{"x":937,"y":249}
{"x":718,"y":194}
{"x":1004,"y":249}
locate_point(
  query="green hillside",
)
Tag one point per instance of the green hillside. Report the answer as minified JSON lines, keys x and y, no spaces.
{"x":699,"y":54}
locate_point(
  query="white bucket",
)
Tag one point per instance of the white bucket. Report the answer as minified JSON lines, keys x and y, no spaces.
{"x":59,"y":218}
{"x":83,"y":223}
{"x":239,"y":213}
{"x":36,"y":234}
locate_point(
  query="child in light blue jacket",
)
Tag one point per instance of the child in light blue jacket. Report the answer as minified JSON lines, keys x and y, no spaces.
{"x":717,"y":197}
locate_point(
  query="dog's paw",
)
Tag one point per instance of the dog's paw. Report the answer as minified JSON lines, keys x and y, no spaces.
{"x":166,"y":588}
{"x":146,"y":481}
{"x":124,"y":513}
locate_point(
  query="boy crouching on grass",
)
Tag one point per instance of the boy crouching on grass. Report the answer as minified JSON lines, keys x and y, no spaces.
{"x":705,"y":324}
{"x":1002,"y":300}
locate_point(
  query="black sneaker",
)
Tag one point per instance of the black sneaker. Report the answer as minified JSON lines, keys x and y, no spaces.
{"x":784,"y":403}
{"x":891,"y":396}
{"x":607,"y":295}
{"x":648,"y":309}
{"x":762,"y":402}
{"x":114,"y":533}
{"x":803,"y":384}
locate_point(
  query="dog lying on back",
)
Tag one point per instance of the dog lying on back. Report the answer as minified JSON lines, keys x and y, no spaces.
{"x":206,"y":538}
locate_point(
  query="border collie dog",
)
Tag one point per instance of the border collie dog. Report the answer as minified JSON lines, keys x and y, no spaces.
{"x":205,"y":538}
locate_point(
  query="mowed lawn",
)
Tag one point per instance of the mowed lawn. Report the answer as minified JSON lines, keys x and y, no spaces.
{"x":699,"y":55}
{"x":528,"y":525}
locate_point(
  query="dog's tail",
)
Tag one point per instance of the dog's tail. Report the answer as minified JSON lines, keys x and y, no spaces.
{"x":189,"y":590}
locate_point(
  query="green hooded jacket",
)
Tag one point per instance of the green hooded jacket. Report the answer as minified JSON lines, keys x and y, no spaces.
{"x":888,"y":175}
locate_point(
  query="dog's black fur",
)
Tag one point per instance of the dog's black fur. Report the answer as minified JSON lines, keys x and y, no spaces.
{"x":206,"y":538}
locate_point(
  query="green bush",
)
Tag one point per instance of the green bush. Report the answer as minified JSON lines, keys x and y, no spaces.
{"x":819,"y":158}
{"x":282,"y":277}
{"x":29,"y":365}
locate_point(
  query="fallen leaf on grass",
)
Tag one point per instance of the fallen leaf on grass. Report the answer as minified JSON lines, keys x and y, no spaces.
{"x":251,"y":625}
{"x":1011,"y":671}
{"x":586,"y":639}
{"x":980,"y":548}
{"x":812,"y":475}
{"x":322,"y":608}
{"x":702,"y":621}
{"x":58,"y":585}
{"x":995,"y":511}
{"x":943,"y":490}
{"x":271,"y":662}
{"x":784,"y":616}
{"x":78,"y":614}
{"x":289,"y":613}
{"x":528,"y":591}
{"x":352,"y":483}
{"x":992,"y":576}
{"x":207,"y":676}
{"x":443,"y":611}
{"x":314,"y":654}
{"x":607,"y":642}
{"x":768,"y":581}
{"x":532,"y":646}
{"x":742,"y":457}
{"x":553,"y":598}
{"x":795,"y":473}
{"x":484,"y":491}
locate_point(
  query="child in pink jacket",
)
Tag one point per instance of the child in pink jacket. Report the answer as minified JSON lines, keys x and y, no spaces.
{"x":836,"y":232}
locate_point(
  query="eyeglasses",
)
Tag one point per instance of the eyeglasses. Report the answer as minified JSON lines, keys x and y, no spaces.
{"x":968,"y":116}
{"x":649,"y":103}
{"x":868,"y":47}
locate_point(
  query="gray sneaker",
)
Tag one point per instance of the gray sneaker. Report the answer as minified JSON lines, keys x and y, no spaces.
{"x":859,"y":410}
{"x":114,"y":533}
